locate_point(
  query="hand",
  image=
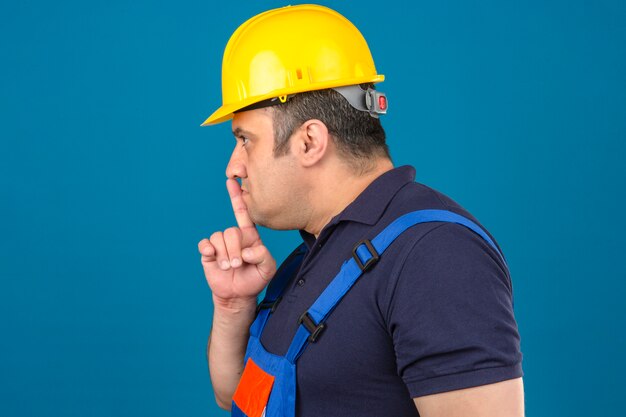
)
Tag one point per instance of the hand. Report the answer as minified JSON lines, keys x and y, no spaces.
{"x":237,"y":265}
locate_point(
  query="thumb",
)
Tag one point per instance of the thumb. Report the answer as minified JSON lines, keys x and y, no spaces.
{"x":261,"y":257}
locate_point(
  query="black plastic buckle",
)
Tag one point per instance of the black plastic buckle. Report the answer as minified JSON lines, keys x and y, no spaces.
{"x":268,"y":304}
{"x":314,"y":329}
{"x":371,"y":261}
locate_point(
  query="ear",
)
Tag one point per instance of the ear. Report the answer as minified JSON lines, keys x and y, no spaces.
{"x":312,"y":142}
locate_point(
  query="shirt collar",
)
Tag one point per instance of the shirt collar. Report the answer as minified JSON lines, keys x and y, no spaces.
{"x":369,"y":206}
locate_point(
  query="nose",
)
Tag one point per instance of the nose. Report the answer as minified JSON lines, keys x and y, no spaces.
{"x":236,"y":167}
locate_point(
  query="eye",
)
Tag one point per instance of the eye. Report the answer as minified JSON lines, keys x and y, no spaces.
{"x":244,"y":140}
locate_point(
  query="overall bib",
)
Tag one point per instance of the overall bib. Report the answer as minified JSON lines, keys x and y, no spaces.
{"x":268,"y":385}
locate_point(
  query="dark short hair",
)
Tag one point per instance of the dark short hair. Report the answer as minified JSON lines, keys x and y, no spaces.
{"x":359,"y":137}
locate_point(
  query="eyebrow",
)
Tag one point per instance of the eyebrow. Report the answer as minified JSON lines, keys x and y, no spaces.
{"x":239,"y":131}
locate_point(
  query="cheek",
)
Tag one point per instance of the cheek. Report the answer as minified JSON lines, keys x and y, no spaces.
{"x":286,"y":182}
{"x":274,"y":178}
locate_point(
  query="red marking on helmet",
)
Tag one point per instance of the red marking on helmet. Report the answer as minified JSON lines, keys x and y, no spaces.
{"x":382,"y":102}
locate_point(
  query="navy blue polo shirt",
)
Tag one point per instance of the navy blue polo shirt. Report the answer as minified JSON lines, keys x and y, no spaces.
{"x":434,"y":314}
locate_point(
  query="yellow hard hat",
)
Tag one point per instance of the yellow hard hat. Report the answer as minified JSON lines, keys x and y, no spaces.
{"x":291,"y":50}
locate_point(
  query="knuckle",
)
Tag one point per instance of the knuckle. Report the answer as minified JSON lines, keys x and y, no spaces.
{"x":216,"y":237}
{"x":232,"y":232}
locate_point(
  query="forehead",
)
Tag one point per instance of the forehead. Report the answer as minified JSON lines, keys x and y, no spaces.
{"x":256,"y":122}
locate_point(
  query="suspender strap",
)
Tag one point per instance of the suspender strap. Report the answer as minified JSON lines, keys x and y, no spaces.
{"x":365,"y":254}
{"x":275,"y":289}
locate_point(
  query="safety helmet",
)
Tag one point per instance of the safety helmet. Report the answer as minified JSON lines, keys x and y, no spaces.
{"x":291,"y":50}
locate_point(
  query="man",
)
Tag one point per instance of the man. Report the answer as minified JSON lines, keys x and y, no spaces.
{"x":398,"y":303}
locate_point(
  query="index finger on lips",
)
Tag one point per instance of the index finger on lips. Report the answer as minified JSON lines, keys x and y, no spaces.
{"x":239,"y":206}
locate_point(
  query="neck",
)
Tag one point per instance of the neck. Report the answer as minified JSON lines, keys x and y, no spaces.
{"x":335,"y":189}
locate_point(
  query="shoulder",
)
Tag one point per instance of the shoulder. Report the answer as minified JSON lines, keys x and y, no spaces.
{"x":449,"y":311}
{"x":443,"y":260}
{"x":437,"y":242}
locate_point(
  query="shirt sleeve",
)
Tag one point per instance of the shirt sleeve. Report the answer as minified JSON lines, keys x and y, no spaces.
{"x":451,"y":315}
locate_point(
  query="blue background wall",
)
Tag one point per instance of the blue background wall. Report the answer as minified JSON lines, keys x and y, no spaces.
{"x":515,"y":109}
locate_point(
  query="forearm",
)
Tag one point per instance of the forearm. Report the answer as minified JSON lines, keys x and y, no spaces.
{"x":227,"y":346}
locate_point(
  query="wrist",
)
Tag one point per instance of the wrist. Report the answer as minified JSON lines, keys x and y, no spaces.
{"x":232,"y":317}
{"x":234,"y":305}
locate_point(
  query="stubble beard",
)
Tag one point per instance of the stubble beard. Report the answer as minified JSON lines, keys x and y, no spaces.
{"x":288,"y":218}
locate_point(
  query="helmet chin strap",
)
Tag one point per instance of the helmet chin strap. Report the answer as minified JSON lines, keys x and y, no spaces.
{"x":364,"y":98}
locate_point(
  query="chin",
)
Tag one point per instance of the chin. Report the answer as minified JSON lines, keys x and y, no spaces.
{"x":257,"y":218}
{"x":274,"y":224}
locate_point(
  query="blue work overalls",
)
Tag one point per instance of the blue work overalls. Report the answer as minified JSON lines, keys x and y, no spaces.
{"x":268,"y":385}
